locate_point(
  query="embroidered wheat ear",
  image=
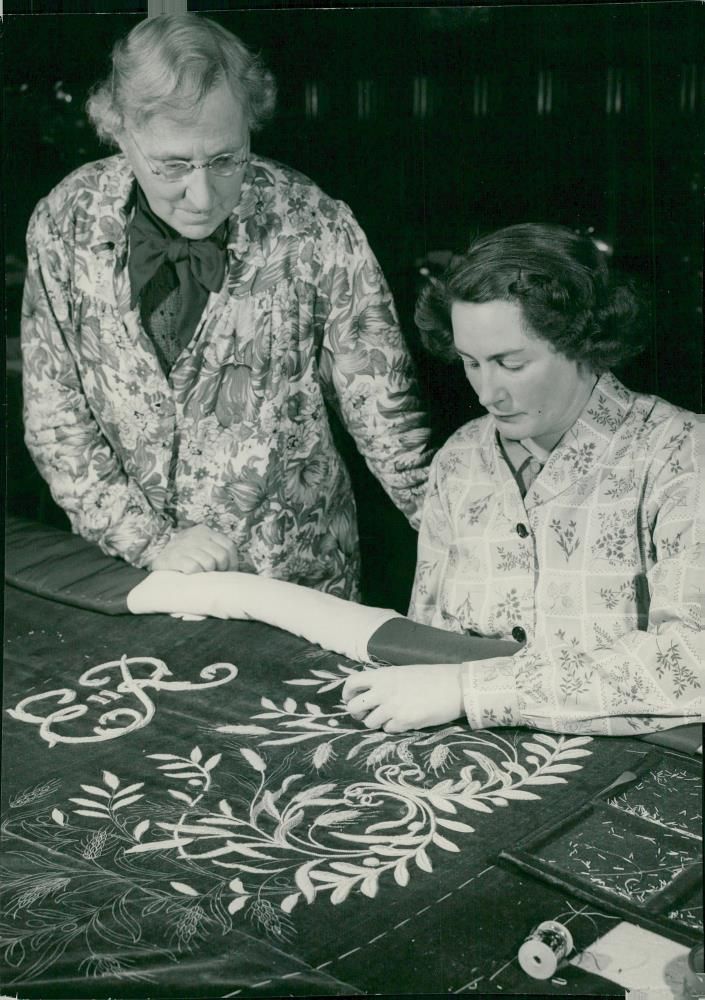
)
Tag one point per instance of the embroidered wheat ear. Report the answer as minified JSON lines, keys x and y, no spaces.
{"x":106,"y":966}
{"x":95,"y":845}
{"x":380,"y":753}
{"x":33,"y":794}
{"x":39,"y":891}
{"x":189,"y":923}
{"x":322,"y":754}
{"x":403,"y":752}
{"x":264,"y":913}
{"x":438,"y":757}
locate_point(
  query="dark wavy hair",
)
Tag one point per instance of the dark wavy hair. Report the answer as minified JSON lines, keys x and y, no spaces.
{"x":562,"y":283}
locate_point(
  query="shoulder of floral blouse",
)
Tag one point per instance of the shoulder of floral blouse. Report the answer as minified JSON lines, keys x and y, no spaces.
{"x":664,"y":429}
{"x":475,"y":434}
{"x":283,"y":214}
{"x":272,"y":181}
{"x":96,"y":193}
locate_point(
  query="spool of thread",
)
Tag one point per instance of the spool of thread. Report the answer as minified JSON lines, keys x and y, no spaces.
{"x":544,"y":949}
{"x":694,"y":983}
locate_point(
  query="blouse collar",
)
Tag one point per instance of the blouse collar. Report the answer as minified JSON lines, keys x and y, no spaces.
{"x":581,"y":447}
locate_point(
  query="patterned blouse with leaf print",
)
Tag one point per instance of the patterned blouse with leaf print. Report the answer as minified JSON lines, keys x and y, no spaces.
{"x":237,"y":437}
{"x":601,"y":566}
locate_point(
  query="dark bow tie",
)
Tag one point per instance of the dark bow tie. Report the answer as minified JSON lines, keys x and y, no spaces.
{"x":152,"y":242}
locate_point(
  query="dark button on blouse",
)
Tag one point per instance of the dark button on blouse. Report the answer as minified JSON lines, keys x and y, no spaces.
{"x":522,"y":530}
{"x":518,"y":633}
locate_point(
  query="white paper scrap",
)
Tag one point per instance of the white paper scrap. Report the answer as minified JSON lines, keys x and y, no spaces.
{"x":638,"y":960}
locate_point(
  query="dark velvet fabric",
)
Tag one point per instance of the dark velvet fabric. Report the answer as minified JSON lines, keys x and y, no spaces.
{"x":296,"y":852}
{"x":66,"y":569}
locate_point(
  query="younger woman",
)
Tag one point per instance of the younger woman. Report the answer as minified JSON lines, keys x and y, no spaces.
{"x":571,"y":516}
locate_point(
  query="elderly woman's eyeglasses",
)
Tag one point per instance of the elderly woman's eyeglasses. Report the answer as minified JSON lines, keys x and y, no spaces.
{"x":222,"y":165}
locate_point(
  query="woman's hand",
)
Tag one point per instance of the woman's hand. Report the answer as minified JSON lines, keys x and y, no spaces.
{"x":411,"y":697}
{"x":199,"y":549}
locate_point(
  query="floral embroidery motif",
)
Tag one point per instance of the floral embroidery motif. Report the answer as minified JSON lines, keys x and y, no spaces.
{"x":474,"y":511}
{"x":566,"y":536}
{"x":580,"y":458}
{"x":332,"y":840}
{"x":576,"y":670}
{"x":604,"y":415}
{"x":509,"y":609}
{"x":627,"y":686}
{"x":603,"y":639}
{"x":611,"y":597}
{"x":622,"y":486}
{"x":615,"y":537}
{"x":513,"y":559}
{"x":675,"y":443}
{"x":283,"y":841}
{"x":529,"y":680}
{"x":672,"y":545}
{"x":671,"y":661}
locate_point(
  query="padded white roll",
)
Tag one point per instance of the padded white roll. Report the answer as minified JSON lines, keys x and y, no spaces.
{"x":335,"y":624}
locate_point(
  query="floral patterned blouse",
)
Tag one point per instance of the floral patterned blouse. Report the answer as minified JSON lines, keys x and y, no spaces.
{"x":237,"y":436}
{"x":601,"y":566}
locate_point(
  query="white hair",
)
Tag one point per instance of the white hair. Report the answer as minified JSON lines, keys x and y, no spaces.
{"x":167,"y":65}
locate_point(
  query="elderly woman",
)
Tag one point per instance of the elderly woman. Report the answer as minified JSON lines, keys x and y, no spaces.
{"x":190,"y":309}
{"x":570,"y":519}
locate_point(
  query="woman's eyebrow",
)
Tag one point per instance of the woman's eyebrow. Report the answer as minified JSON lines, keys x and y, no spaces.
{"x":492,"y":357}
{"x":163,"y":157}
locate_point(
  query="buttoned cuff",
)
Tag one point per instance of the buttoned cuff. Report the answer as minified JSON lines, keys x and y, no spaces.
{"x":490,"y":694}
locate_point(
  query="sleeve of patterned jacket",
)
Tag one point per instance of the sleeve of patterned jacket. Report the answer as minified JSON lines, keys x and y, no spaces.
{"x":647,"y":680}
{"x":368,"y":373}
{"x":63,"y":437}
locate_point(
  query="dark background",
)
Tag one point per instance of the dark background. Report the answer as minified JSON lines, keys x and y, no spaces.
{"x":432,"y":123}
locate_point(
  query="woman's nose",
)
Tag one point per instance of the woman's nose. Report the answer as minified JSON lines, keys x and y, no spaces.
{"x":489,"y":388}
{"x":199,"y":189}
